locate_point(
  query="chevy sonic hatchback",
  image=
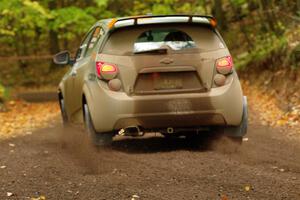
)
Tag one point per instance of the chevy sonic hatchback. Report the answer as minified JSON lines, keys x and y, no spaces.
{"x":171,"y":74}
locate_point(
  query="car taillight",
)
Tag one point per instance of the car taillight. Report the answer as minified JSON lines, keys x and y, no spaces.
{"x":106,"y":71}
{"x":224,"y":65}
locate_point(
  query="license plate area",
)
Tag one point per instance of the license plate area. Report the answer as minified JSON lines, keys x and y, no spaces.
{"x":165,"y":81}
{"x":168,"y":82}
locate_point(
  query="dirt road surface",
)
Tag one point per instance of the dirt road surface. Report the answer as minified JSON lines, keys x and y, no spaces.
{"x":60,"y":164}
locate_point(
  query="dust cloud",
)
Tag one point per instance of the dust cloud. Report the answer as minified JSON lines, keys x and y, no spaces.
{"x":74,"y":141}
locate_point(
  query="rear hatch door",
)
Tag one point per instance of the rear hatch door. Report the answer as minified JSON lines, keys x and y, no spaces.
{"x":175,"y":58}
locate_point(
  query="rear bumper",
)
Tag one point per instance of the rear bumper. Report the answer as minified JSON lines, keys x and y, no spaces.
{"x":115,"y":110}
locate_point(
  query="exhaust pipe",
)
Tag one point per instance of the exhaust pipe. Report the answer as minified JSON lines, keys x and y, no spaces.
{"x":131,"y":131}
{"x":170,"y":130}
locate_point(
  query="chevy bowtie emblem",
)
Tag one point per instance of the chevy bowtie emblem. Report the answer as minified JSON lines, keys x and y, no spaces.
{"x":166,"y":60}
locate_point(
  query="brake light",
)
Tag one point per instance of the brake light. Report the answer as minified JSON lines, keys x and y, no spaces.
{"x":108,"y":68}
{"x":213,"y":22}
{"x":224,"y":65}
{"x":106,"y":71}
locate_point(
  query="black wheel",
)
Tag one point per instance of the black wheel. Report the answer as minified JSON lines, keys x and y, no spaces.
{"x":236,"y":140}
{"x":63,"y":112}
{"x":239,"y":131}
{"x":99,"y":139}
{"x":225,"y":142}
{"x":233,"y":144}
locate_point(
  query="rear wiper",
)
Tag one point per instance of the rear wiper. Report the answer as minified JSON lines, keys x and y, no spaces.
{"x":153,"y":51}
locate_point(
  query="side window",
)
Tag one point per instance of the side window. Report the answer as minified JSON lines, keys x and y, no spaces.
{"x":97,"y":34}
{"x":83,"y":45}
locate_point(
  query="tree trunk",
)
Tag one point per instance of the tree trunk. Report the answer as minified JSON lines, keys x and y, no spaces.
{"x":298,"y":7}
{"x":265,"y":8}
{"x":219,"y":13}
{"x":19,"y":51}
{"x":53,"y":37}
{"x":242,"y":26}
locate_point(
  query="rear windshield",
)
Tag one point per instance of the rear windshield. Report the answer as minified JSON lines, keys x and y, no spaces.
{"x":177,"y":37}
{"x":157,"y":38}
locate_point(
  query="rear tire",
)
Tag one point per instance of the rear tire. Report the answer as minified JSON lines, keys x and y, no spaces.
{"x":63,"y":112}
{"x":240,"y":130}
{"x":98,"y":139}
{"x":225,"y":142}
{"x":234,"y":144}
{"x":236,"y":140}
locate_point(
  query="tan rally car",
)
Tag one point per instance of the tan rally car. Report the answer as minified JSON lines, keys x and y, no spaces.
{"x":167,"y":73}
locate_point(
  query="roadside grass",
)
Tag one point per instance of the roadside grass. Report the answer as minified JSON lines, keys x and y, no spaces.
{"x":265,"y":49}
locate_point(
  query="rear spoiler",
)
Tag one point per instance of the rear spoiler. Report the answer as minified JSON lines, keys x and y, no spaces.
{"x":160,"y":19}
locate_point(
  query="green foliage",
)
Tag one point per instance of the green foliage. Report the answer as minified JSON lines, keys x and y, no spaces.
{"x":294,"y":57}
{"x":239,"y":3}
{"x":102,"y":3}
{"x":19,"y":15}
{"x":265,"y":47}
{"x":162,"y":9}
{"x":3,"y":93}
{"x":70,"y":22}
{"x":165,"y":7}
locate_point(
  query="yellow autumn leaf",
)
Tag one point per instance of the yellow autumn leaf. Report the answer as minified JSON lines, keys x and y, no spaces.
{"x":247,"y":188}
{"x":281,"y":122}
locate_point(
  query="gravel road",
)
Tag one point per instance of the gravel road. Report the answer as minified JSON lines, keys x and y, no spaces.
{"x":60,"y":164}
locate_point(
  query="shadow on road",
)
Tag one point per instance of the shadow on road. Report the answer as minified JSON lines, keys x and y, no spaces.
{"x":74,"y":140}
{"x":74,"y":144}
{"x":155,"y":144}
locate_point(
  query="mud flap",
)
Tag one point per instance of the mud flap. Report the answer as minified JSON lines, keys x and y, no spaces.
{"x":241,"y":130}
